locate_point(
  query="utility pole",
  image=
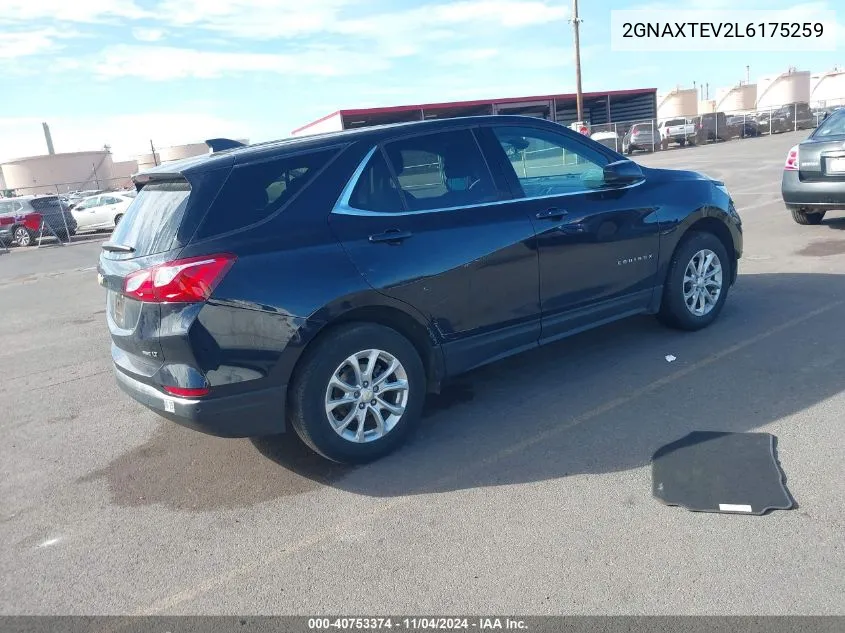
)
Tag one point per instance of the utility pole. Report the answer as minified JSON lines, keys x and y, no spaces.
{"x":576,"y":21}
{"x":153,"y":150}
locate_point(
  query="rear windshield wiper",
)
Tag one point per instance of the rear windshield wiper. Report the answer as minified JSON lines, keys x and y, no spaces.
{"x":117,"y":248}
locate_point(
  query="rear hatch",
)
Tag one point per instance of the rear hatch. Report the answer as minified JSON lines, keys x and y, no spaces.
{"x":146,"y":237}
{"x":822,"y":156}
{"x":54,"y":212}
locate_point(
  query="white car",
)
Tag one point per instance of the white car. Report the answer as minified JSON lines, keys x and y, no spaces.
{"x":101,"y":212}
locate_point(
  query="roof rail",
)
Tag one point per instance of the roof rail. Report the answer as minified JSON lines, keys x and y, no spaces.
{"x":220,"y":144}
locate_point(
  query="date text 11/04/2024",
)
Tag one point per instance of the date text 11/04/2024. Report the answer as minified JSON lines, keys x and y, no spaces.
{"x":723,"y":29}
{"x":417,"y":623}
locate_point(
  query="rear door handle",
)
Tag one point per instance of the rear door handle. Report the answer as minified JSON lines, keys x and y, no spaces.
{"x":551,"y":214}
{"x":391,"y":236}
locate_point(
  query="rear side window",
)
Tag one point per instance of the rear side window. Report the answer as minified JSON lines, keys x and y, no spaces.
{"x":152,"y":220}
{"x":255,"y":191}
{"x":834,"y":125}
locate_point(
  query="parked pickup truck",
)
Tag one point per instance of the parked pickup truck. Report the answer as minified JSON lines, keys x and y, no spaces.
{"x":678,"y":131}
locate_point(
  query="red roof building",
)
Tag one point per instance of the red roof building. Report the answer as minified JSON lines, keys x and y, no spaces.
{"x":599,"y":108}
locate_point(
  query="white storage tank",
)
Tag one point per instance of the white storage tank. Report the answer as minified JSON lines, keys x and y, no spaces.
{"x":145,"y":161}
{"x":739,"y":98}
{"x":63,"y":172}
{"x":678,"y":102}
{"x":706,"y":107}
{"x":828,"y":88}
{"x":178,"y":152}
{"x":792,"y":86}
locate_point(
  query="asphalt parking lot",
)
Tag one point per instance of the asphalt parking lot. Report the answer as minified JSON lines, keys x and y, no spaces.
{"x":526,"y":491}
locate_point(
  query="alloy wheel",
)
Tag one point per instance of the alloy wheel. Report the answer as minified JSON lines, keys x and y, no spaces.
{"x":702,"y":282}
{"x":367,"y":396}
{"x":22,"y":236}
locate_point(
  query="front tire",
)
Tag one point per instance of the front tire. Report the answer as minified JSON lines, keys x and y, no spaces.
{"x":805,"y":218}
{"x":358,"y":393}
{"x":697,"y":283}
{"x":117,"y":219}
{"x":23,"y":236}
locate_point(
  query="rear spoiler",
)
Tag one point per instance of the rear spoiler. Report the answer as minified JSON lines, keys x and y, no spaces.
{"x":220,"y":144}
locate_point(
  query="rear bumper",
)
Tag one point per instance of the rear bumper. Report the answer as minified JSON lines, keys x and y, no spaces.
{"x":251,"y":414}
{"x":821,"y":195}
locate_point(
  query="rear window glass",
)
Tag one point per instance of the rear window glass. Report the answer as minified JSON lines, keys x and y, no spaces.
{"x":152,"y":220}
{"x":676,"y":122}
{"x":45,"y":204}
{"x":834,"y":125}
{"x":254,"y":192}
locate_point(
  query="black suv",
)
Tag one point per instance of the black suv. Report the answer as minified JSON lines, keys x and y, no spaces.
{"x":712,"y":126}
{"x":330,"y":282}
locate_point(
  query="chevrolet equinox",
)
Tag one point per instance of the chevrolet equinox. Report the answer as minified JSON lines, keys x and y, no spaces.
{"x":329,"y":282}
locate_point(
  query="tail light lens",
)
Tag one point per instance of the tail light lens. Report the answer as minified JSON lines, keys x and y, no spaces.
{"x":186,"y":392}
{"x":791,"y":160}
{"x":182,"y":281}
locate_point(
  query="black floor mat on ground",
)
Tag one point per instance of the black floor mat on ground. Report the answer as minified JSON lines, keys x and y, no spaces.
{"x":736,"y":473}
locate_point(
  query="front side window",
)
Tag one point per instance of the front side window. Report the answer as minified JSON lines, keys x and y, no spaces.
{"x":547,"y":163}
{"x":441,"y":171}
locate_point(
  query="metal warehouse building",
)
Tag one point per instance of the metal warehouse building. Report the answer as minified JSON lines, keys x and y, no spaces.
{"x":599,"y":108}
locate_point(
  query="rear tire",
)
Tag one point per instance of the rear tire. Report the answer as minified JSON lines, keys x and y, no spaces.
{"x":22,"y":235}
{"x":309,"y":411}
{"x":117,"y":219}
{"x":682,"y":142}
{"x":805,"y":218}
{"x":679,"y":308}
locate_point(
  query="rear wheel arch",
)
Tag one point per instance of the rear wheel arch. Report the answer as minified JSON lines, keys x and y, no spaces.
{"x":394,"y":318}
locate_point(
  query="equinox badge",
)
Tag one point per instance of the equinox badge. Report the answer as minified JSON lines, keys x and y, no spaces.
{"x":631,"y":260}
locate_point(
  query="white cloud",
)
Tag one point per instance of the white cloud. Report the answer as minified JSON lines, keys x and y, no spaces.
{"x":143,"y":34}
{"x":161,"y":63}
{"x":272,"y":19}
{"x":260,"y":19}
{"x":26,"y":43}
{"x":61,"y":10}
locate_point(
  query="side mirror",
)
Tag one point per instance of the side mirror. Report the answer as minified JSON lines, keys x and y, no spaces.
{"x":622,"y":172}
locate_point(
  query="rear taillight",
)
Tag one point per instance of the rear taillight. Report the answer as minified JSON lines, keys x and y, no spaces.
{"x":187,"y":392}
{"x":182,"y":281}
{"x":791,"y":160}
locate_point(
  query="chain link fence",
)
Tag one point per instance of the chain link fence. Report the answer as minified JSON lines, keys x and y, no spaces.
{"x":651,"y":135}
{"x":56,"y":213}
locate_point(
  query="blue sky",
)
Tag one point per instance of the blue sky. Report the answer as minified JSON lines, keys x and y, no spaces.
{"x":124,"y":71}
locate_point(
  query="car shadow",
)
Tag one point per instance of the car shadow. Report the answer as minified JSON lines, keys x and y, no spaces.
{"x":604,"y":401}
{"x":835,"y":223}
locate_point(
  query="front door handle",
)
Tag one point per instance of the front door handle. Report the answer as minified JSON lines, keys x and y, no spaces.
{"x":391,"y":236}
{"x":551,"y":214}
